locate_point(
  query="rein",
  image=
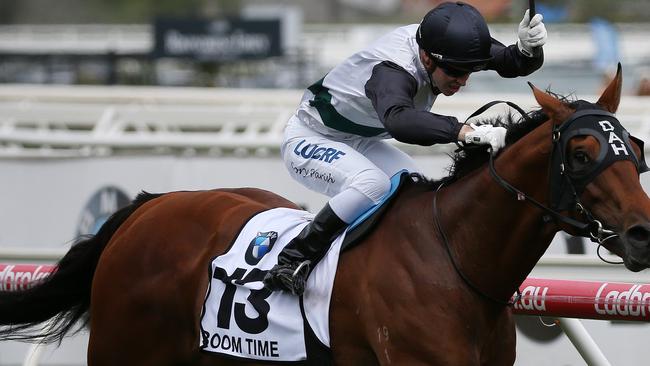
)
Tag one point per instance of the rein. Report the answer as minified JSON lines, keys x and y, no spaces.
{"x":468,"y":282}
{"x":593,"y":227}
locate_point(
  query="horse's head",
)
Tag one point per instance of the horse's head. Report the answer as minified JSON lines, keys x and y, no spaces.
{"x":595,"y":174}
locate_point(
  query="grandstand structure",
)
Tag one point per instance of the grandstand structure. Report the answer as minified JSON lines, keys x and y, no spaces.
{"x":571,"y":41}
{"x":54,"y":53}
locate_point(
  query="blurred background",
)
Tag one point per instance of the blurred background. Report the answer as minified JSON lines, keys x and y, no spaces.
{"x":101,"y":99}
{"x":136,"y":42}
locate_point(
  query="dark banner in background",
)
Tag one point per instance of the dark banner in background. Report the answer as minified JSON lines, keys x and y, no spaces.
{"x":225,"y":39}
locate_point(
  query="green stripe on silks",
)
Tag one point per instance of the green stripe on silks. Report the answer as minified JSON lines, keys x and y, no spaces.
{"x":331,"y":118}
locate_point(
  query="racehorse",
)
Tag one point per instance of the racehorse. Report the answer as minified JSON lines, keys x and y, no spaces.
{"x":430,"y":285}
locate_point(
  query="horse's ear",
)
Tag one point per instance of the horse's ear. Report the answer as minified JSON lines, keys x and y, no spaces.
{"x":612,"y":94}
{"x":553,"y":107}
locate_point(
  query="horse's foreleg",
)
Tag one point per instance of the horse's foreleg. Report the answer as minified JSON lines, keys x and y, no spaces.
{"x":500,"y":348}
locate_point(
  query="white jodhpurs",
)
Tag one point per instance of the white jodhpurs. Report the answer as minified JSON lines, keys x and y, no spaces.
{"x":353,"y":170}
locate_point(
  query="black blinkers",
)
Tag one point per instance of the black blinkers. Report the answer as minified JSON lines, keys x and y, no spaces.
{"x":566,"y":186}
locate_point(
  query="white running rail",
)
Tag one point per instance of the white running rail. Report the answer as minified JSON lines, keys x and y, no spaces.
{"x":81,"y":121}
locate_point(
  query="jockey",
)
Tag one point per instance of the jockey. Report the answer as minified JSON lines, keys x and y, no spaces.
{"x":335,"y":143}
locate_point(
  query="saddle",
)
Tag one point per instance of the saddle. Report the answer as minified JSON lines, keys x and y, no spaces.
{"x":363,"y":225}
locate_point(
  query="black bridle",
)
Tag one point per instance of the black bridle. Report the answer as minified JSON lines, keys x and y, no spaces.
{"x":566,"y":186}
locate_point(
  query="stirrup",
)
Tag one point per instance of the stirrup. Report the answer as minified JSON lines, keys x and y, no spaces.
{"x":299,"y":278}
{"x":303,"y":266}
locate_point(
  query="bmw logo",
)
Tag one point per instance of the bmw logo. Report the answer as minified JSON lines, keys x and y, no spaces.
{"x":261,"y":244}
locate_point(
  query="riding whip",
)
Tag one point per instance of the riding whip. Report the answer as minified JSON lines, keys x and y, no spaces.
{"x":531,"y":8}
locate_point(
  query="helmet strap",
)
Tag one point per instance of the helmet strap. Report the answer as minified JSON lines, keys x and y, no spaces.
{"x":429,"y":68}
{"x":427,"y":61}
{"x":434,"y":89}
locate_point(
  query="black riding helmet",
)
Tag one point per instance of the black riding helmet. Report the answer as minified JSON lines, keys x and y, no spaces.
{"x":456,"y":36}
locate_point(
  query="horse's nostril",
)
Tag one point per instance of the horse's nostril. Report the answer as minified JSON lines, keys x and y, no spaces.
{"x":639,"y":234}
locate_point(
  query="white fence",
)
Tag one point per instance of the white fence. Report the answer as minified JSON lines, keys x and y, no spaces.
{"x":63,"y":121}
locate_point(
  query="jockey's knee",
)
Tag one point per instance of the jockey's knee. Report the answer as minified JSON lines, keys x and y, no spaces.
{"x":374,"y":184}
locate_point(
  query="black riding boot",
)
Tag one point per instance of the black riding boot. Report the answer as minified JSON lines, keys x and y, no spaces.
{"x":303,"y":252}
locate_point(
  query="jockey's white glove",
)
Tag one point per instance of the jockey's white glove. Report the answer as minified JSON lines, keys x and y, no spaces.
{"x":532,"y":33}
{"x":487,"y":135}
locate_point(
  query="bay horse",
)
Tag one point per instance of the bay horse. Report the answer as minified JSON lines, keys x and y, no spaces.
{"x":430,"y":285}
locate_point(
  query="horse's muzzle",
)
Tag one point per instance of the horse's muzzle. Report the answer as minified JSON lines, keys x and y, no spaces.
{"x":638,"y":236}
{"x":637,"y":240}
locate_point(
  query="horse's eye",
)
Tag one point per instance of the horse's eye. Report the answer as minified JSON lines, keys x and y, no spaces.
{"x":580,"y":159}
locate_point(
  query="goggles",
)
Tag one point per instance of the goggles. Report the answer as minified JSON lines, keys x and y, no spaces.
{"x":456,"y":68}
{"x":452,"y":71}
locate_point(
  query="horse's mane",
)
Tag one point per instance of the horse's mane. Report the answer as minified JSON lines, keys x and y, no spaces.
{"x":468,"y":158}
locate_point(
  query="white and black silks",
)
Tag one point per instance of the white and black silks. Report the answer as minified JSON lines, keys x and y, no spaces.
{"x":384,"y":91}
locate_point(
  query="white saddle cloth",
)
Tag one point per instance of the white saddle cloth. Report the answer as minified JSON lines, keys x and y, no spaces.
{"x":242,"y":319}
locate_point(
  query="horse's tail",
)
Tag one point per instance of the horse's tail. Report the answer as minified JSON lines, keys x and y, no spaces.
{"x":64,"y":297}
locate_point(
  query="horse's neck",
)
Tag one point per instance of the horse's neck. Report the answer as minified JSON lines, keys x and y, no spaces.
{"x":496,"y":238}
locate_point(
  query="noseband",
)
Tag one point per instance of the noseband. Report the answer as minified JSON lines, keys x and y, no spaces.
{"x":566,"y":185}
